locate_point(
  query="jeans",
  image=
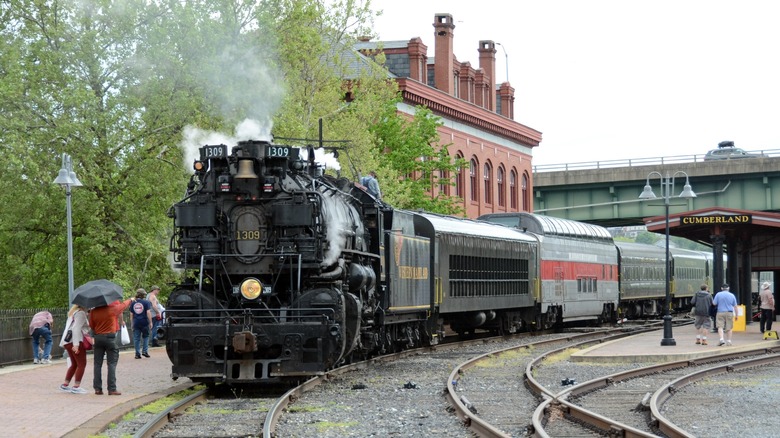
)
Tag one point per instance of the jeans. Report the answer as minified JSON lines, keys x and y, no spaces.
{"x":36,"y":336}
{"x":105,"y":344}
{"x":138,"y":333}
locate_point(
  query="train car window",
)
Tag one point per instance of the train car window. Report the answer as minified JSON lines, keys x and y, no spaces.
{"x":478,"y":277}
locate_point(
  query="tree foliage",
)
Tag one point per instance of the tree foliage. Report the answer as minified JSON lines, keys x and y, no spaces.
{"x":116,"y":84}
{"x":413,"y":162}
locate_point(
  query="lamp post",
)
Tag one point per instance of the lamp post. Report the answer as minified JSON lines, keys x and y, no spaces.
{"x":667,"y":186}
{"x":67,"y":179}
{"x":506,"y":60}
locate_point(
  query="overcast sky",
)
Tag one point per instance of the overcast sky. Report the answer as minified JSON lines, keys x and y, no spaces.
{"x":616,"y":79}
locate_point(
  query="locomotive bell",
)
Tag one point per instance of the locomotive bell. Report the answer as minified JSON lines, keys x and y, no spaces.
{"x":246,"y":169}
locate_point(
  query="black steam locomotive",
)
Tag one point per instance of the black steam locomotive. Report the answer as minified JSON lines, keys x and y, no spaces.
{"x":285,"y":270}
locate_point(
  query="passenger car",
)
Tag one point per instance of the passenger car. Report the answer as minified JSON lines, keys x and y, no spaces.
{"x":730,"y":153}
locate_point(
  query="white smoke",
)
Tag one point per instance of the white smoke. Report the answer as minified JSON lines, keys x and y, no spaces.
{"x":194,"y":138}
{"x":323,"y":157}
{"x":338,"y":226}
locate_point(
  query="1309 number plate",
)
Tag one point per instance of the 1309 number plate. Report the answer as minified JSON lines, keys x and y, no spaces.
{"x":213,"y":151}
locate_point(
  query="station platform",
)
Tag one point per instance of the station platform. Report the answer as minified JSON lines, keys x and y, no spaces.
{"x":32,"y":404}
{"x":647,"y":347}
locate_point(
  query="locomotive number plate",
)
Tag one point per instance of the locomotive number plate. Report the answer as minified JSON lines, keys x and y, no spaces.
{"x":281,"y":152}
{"x":213,"y":151}
{"x":247,"y":234}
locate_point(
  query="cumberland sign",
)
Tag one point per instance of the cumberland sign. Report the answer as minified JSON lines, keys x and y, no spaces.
{"x":716,"y":220}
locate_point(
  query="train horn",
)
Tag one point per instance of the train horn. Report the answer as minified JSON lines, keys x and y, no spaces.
{"x":246,"y":169}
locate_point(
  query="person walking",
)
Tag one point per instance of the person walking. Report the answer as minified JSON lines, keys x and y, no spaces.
{"x":141,"y":323}
{"x":72,"y":342}
{"x":157,"y":311}
{"x":105,"y":324}
{"x":40,"y":326}
{"x":726,"y":302}
{"x":701,"y":303}
{"x":767,"y":307}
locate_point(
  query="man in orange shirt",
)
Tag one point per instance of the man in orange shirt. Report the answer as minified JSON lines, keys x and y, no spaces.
{"x":105,"y":325}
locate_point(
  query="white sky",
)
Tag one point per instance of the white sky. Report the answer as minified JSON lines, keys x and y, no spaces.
{"x":617,"y":79}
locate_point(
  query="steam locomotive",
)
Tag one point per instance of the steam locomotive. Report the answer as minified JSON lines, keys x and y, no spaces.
{"x":290,"y":272}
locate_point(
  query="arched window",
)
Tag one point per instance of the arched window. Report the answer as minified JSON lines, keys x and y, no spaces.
{"x":526,"y":198}
{"x":444,"y":182}
{"x":473,"y":180}
{"x":460,"y":183}
{"x":487,"y":176}
{"x":513,"y":189}
{"x":501,"y":188}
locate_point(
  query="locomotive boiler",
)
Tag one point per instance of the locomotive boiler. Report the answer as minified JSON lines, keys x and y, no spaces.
{"x":281,"y":267}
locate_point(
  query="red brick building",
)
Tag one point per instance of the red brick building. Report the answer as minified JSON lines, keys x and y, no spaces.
{"x":477,"y":114}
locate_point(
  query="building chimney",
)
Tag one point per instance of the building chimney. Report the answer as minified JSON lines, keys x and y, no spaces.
{"x":418,"y":60}
{"x":466,"y":88}
{"x":507,"y":95}
{"x":487,"y":62}
{"x":443,"y":69}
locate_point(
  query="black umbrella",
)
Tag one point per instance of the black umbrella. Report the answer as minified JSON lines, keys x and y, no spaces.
{"x":97,"y":293}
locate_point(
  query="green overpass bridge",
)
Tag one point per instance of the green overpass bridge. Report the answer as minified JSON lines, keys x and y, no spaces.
{"x":607,"y":193}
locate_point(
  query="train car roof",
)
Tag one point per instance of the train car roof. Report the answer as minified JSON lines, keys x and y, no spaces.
{"x":633,"y":248}
{"x":470,"y":227}
{"x":692,"y":253}
{"x":550,"y":226}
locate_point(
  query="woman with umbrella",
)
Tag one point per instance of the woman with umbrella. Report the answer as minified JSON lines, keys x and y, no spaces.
{"x":75,"y":326}
{"x":103,"y":296}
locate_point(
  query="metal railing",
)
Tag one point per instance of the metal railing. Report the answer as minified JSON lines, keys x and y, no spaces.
{"x":15,"y":339}
{"x":636,"y":162}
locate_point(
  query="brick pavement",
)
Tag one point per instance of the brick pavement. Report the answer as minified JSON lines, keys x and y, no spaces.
{"x":33,"y":406}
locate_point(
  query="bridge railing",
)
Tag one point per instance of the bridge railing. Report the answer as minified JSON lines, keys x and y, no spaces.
{"x":631,"y":162}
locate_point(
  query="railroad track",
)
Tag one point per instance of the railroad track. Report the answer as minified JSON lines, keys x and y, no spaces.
{"x":483,"y":413}
{"x":264,"y":411}
{"x":481,"y":388}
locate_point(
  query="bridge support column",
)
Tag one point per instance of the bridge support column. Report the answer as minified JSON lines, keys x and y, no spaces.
{"x":717,"y":261}
{"x":747,"y":270}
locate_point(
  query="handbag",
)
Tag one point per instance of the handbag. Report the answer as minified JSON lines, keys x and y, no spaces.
{"x":87,"y":342}
{"x":125,"y":335}
{"x":69,"y":333}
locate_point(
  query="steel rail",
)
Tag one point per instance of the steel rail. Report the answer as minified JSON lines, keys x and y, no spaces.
{"x":482,"y":427}
{"x":591,"y":418}
{"x":273,"y":415}
{"x":663,"y":394}
{"x":160,"y":420}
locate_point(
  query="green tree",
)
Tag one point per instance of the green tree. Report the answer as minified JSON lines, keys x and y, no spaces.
{"x":67,"y":74}
{"x":115,"y":84}
{"x":647,"y":237}
{"x":411,"y":149}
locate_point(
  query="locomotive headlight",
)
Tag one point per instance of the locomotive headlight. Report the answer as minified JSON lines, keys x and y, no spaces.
{"x":198,"y":166}
{"x":251,"y":288}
